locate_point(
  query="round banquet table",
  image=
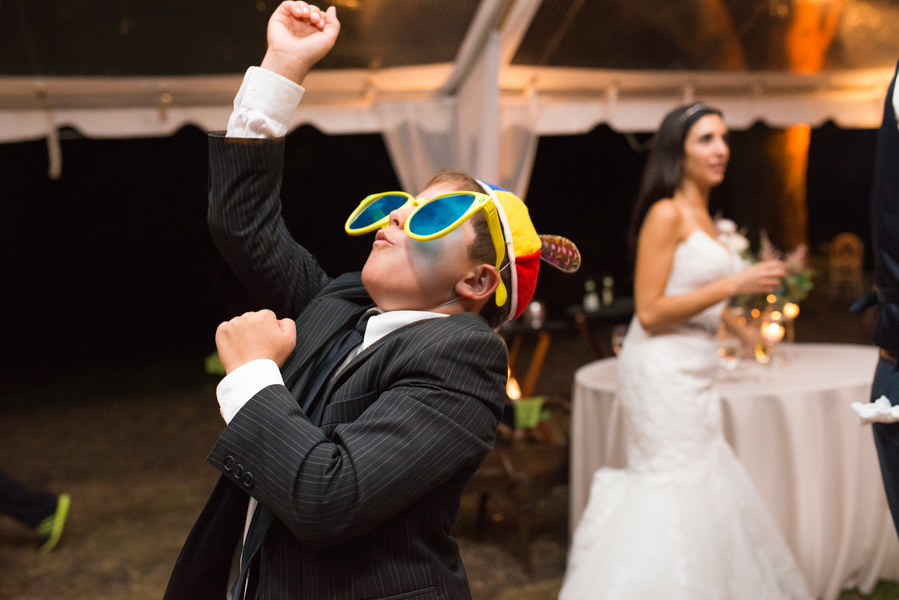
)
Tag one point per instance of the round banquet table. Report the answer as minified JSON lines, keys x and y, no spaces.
{"x":793,"y":429}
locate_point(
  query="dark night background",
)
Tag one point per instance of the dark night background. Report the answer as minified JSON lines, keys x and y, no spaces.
{"x":112,"y":265}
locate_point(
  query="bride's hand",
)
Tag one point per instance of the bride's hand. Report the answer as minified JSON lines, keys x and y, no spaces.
{"x":761,"y":278}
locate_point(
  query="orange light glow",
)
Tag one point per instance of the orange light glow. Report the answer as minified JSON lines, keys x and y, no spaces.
{"x":771,"y":298}
{"x":773,"y":332}
{"x":513,"y":390}
{"x":791,"y":311}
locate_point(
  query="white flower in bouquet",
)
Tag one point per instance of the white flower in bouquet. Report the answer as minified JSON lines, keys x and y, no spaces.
{"x":730,"y":236}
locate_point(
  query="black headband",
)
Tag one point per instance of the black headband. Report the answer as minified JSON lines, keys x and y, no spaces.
{"x":693,"y":114}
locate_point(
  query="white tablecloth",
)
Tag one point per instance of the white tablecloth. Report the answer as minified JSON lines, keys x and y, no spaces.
{"x":795,"y":433}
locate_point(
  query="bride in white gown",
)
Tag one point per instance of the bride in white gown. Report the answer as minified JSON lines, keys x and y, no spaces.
{"x":683,"y":520}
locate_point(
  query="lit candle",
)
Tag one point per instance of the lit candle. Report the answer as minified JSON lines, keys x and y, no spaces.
{"x":772,"y":332}
{"x":513,"y":390}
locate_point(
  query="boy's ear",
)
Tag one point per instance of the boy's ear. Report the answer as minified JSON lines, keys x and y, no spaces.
{"x":480,"y":283}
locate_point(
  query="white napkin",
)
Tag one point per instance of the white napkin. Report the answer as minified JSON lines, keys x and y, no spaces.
{"x":879,"y":411}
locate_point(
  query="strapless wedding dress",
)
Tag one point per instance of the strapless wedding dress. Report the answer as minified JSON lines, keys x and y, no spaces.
{"x":683,"y":520}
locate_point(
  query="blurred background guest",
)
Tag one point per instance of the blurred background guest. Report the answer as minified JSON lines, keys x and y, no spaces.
{"x":42,"y":511}
{"x":885,"y":230}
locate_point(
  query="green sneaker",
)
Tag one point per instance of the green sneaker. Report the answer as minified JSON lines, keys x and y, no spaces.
{"x":50,"y":529}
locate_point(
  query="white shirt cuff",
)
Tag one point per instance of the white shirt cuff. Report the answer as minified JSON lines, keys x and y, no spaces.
{"x":264,"y":105}
{"x":243,"y":383}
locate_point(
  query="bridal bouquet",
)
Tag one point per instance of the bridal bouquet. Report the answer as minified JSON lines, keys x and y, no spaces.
{"x":798,"y":281}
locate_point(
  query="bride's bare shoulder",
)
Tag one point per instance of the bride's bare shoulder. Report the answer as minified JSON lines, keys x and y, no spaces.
{"x":664,"y":215}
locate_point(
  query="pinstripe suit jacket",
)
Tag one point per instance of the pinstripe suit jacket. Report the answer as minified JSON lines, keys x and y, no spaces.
{"x":365,"y":503}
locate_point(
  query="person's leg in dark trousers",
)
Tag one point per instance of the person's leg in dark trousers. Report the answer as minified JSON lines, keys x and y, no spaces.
{"x":22,"y":504}
{"x":38,"y":510}
{"x":886,"y":435}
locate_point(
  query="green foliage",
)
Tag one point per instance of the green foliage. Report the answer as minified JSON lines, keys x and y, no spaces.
{"x":214,"y":365}
{"x":885,"y":590}
{"x":795,"y":286}
{"x":797,"y":283}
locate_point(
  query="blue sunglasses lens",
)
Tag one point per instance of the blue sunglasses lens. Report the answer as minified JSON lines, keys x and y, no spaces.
{"x":438,"y":215}
{"x":377,"y":210}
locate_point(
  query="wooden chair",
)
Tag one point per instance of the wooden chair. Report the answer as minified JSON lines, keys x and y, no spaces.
{"x":522,"y":468}
{"x":846,"y":254}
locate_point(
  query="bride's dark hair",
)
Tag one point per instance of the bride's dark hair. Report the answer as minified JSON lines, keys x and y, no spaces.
{"x":664,"y":167}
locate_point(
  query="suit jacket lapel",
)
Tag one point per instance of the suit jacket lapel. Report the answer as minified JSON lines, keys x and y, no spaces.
{"x":316,"y":329}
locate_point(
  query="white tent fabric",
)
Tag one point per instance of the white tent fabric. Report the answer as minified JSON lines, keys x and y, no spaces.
{"x":480,"y":114}
{"x":418,"y":138}
{"x":425,"y":132}
{"x":565,"y":101}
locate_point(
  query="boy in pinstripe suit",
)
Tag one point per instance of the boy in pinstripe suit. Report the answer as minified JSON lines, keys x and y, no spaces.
{"x":356,"y":495}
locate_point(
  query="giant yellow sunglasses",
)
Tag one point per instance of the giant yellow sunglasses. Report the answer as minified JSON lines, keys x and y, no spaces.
{"x":431,"y":219}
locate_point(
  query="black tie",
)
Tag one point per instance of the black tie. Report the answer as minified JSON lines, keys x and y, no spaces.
{"x":309,"y":397}
{"x":323,"y":371}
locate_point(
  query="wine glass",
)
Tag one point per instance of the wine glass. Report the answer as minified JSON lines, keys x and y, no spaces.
{"x":772,"y":331}
{"x":534,"y":314}
{"x":762,"y":351}
{"x":618,"y":334}
{"x":730,"y":351}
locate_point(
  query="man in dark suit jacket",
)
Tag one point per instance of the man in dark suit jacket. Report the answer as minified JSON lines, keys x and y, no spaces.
{"x":356,"y":495}
{"x":885,"y":230}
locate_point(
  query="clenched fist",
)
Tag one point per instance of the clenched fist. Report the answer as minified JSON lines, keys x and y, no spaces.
{"x":299,"y":35}
{"x":255,"y":335}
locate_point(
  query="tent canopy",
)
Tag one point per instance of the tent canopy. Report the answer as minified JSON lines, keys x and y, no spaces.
{"x":470,"y":83}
